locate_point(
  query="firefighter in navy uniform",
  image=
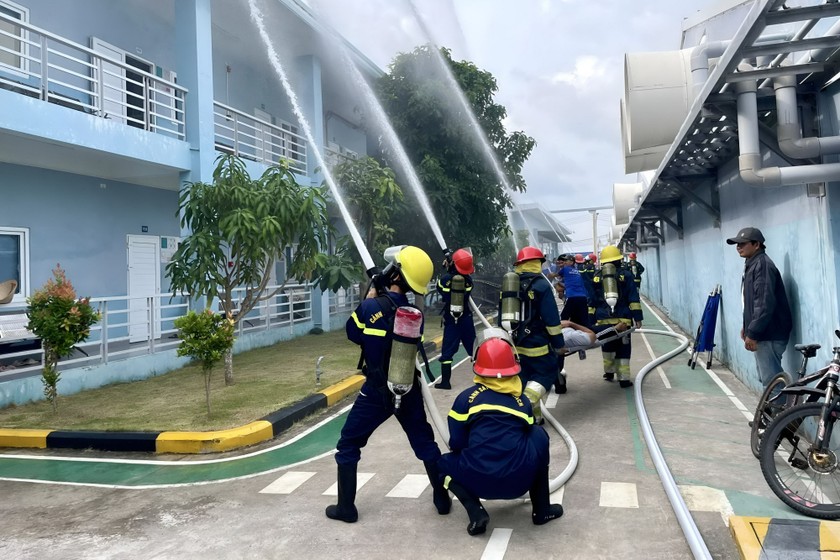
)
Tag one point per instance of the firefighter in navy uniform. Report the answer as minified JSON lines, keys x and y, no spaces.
{"x":497,"y":450}
{"x":455,"y":286}
{"x":636,"y":269}
{"x":372,"y":327}
{"x":537,"y":335}
{"x":614,"y":303}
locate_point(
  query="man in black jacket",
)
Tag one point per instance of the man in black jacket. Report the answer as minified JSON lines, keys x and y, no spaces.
{"x":767,"y":319}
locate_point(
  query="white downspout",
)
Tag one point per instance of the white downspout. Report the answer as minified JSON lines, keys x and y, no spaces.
{"x":789,"y":132}
{"x":749,"y":160}
{"x":700,"y":56}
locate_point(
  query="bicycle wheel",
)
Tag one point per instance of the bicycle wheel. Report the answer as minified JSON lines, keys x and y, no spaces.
{"x":763,"y":413}
{"x":804,"y":478}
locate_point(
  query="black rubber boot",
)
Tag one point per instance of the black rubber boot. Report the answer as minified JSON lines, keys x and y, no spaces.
{"x":441,"y":498}
{"x":609,"y":376}
{"x":445,"y":376}
{"x":345,"y":510}
{"x":476,"y":512}
{"x":542,"y":510}
{"x":625,"y":383}
{"x":560,"y":384}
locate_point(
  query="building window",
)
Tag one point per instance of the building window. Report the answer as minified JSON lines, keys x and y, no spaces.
{"x":14,"y":260}
{"x":13,"y":38}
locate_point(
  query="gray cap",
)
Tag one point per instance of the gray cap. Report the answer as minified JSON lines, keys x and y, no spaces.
{"x":746,"y":234}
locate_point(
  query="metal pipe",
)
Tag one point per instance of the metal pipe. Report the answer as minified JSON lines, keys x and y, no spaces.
{"x":749,"y":160}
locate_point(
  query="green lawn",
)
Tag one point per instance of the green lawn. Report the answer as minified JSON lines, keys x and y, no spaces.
{"x":267,"y":379}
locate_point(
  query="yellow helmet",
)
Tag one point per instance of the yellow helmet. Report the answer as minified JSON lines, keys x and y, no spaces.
{"x":416,"y":268}
{"x":610,"y":253}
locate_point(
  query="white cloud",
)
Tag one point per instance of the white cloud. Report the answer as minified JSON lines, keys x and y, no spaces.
{"x":588,"y":72}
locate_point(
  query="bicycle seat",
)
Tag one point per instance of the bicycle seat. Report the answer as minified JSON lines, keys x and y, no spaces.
{"x":808,"y":350}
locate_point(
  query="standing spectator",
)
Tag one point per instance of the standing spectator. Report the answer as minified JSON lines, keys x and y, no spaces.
{"x":458,"y":328}
{"x":371,"y":326}
{"x":575,"y":308}
{"x":497,"y":451}
{"x":538,"y":335}
{"x":637,"y":269}
{"x":620,"y":310}
{"x":767,"y":319}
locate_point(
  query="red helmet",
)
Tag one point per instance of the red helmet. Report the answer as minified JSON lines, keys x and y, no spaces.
{"x":578,"y":258}
{"x":495,"y":357}
{"x":632,"y":256}
{"x":593,"y":257}
{"x":463,"y":261}
{"x":528,"y":254}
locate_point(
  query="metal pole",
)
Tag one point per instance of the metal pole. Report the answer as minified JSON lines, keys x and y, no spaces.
{"x":595,"y":231}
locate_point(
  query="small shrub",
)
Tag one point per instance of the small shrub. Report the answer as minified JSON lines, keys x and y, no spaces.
{"x":205,"y":337}
{"x":60,"y":321}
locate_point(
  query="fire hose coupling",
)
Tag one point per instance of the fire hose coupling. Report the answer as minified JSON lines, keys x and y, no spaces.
{"x":407,"y":324}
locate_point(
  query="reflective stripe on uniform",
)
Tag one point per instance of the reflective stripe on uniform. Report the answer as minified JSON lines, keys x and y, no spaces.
{"x":554,"y":330}
{"x":635,"y":306}
{"x":375,"y":332}
{"x":613,"y":321}
{"x":533,"y":352}
{"x":356,"y":320}
{"x":489,"y":407}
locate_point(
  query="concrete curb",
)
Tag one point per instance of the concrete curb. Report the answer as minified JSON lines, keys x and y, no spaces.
{"x":258,"y":431}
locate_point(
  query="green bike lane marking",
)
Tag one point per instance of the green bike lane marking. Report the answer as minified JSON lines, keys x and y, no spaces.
{"x":317,"y":441}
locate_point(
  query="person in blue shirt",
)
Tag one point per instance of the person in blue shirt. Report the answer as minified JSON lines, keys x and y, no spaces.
{"x":371,"y":326}
{"x":458,"y":327}
{"x":497,"y":450}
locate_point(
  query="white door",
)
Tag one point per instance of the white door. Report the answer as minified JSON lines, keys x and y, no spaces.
{"x":111,"y":84}
{"x":143,"y":281}
{"x":262,"y":137}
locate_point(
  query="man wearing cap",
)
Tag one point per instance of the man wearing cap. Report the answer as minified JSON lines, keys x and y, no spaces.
{"x":767,"y":318}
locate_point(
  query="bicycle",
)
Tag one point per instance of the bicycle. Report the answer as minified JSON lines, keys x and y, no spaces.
{"x":770,"y":404}
{"x":799,"y":449}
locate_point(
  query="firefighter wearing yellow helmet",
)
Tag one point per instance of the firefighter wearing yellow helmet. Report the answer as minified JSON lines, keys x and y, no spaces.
{"x":372,"y":327}
{"x":614,"y":303}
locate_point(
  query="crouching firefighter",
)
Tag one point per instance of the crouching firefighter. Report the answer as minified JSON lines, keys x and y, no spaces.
{"x":529,"y":313}
{"x":454,"y":287}
{"x":389,"y":331}
{"x":614,"y":304}
{"x":497,"y":450}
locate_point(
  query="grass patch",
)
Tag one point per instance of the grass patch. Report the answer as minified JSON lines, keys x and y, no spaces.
{"x":267,"y":379}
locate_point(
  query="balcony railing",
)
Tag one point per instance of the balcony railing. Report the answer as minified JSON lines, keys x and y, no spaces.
{"x":126,"y":324}
{"x":251,"y":138}
{"x":45,"y":66}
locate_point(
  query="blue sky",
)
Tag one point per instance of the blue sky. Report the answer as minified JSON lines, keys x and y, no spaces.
{"x":559,"y":65}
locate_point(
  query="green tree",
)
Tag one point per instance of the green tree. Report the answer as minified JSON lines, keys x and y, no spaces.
{"x":467,"y":196}
{"x":373,"y":195}
{"x":206,"y":337}
{"x":238,"y":228}
{"x":61,"y":321}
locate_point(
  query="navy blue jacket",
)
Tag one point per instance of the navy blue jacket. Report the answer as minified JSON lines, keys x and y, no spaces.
{"x":371,"y":327}
{"x":540,"y":329}
{"x":766,"y":309}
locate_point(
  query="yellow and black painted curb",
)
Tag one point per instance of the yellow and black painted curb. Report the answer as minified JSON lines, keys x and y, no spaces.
{"x":191,"y":442}
{"x":765,"y":537}
{"x":185,"y":442}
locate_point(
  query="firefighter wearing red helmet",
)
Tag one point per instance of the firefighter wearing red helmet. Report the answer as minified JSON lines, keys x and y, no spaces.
{"x":497,"y":450}
{"x":458,"y":327}
{"x":538,"y":335}
{"x":637,"y":269}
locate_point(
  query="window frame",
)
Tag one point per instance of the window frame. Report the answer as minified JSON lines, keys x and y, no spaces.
{"x":23,"y":287}
{"x":22,"y":70}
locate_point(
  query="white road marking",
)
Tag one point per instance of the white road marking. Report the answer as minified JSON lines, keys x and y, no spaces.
{"x":411,"y":486}
{"x":361,"y":480}
{"x":287,"y":483}
{"x":619,"y":495}
{"x":704,"y":498}
{"x":497,"y":545}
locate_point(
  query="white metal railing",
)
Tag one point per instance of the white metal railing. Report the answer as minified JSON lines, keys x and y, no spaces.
{"x":45,"y":66}
{"x":139,"y":326}
{"x":252,"y":138}
{"x":344,"y":300}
